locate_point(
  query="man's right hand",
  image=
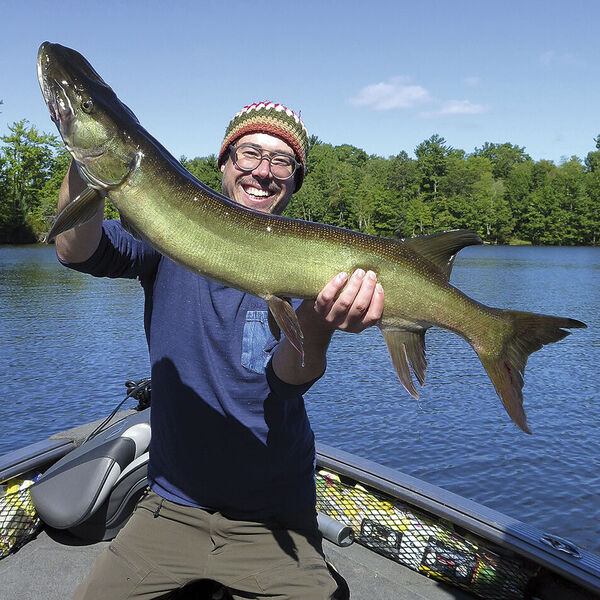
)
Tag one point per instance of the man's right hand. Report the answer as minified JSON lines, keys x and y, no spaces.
{"x":79,"y":243}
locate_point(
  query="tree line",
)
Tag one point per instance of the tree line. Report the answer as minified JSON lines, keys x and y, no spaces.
{"x":497,"y":189}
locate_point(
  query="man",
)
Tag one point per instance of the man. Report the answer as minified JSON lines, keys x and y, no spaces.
{"x":231,"y":470}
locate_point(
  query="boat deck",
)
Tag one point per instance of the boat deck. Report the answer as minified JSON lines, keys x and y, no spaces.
{"x":52,"y":565}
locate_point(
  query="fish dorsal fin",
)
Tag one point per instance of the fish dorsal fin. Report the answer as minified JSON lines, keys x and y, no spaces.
{"x":441,"y":248}
{"x":407,"y":347}
{"x":79,"y":211}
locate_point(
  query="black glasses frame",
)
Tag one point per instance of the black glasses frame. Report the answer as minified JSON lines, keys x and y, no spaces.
{"x":233,"y":150}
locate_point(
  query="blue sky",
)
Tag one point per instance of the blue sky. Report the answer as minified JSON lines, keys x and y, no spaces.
{"x":382,"y":76}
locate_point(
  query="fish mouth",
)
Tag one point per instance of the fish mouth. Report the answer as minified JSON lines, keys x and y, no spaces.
{"x":53,"y":87}
{"x":59,"y":104}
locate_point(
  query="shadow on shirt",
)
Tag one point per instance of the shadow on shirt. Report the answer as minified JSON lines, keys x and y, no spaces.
{"x":250,"y":459}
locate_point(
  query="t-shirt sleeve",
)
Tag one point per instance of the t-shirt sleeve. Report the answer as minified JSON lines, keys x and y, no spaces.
{"x":119,"y":254}
{"x":285,"y":390}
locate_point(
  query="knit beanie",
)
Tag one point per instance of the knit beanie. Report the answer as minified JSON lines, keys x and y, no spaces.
{"x":274,"y":119}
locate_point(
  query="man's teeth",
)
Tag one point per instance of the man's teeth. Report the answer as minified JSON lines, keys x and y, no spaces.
{"x":257,"y":193}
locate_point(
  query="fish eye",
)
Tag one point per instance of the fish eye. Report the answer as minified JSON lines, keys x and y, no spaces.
{"x":87,"y":105}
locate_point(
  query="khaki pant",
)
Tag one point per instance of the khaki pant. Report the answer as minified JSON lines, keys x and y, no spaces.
{"x":165,"y":546}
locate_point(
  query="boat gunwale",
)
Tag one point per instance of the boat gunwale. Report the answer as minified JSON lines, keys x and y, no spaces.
{"x":33,"y":457}
{"x":502,"y":530}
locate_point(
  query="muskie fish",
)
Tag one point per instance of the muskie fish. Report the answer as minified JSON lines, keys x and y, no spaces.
{"x":271,"y":256}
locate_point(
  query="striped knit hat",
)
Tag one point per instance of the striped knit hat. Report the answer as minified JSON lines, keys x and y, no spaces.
{"x":272,"y":118}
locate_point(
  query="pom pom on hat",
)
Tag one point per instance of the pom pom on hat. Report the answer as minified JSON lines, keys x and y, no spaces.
{"x":274,"y":119}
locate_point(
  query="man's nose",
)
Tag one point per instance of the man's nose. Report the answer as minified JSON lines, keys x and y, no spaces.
{"x":263,"y":168}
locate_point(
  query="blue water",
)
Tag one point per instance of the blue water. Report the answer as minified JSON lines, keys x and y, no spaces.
{"x":69,"y":342}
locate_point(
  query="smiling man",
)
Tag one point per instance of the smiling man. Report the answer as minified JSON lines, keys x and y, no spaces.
{"x":231,"y":472}
{"x":259,"y":172}
{"x":264,"y":130}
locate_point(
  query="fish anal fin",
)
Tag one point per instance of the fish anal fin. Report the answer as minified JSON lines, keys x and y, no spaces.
{"x":79,"y":211}
{"x":441,"y":248}
{"x":407,"y":347}
{"x":286,"y":320}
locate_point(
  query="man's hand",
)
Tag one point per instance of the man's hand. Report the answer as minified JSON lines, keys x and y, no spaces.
{"x":359,"y":304}
{"x":78,"y":244}
{"x":352,"y":308}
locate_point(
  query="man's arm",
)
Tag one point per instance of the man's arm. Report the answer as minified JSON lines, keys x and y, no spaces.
{"x":79,"y":243}
{"x":359,"y":305}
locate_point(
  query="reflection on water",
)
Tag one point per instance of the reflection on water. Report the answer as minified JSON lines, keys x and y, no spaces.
{"x":69,"y":341}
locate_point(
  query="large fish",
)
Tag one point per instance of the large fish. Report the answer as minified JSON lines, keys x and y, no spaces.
{"x":271,"y":256}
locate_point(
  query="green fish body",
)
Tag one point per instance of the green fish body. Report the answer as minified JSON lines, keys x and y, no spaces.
{"x":270,"y":256}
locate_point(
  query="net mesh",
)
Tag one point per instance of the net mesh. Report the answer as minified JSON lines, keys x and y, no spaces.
{"x":422,"y":542}
{"x":18,"y":519}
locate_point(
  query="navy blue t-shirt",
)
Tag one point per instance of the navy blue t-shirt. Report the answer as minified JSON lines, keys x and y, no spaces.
{"x":227,"y":433}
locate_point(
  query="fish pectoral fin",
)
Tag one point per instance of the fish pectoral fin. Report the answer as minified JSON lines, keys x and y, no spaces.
{"x":285,"y":318}
{"x":77,"y":212}
{"x":407,"y":347}
{"x":441,"y":248}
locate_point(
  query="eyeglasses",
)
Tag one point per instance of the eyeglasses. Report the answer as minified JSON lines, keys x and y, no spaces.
{"x":247,"y":157}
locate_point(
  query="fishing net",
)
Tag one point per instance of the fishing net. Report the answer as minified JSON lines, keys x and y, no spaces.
{"x":18,"y":520}
{"x":422,"y":542}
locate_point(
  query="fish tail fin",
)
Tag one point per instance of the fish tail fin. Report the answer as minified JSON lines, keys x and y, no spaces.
{"x":528,"y":332}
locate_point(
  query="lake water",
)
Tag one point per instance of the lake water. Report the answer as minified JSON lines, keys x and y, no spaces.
{"x":69,"y":342}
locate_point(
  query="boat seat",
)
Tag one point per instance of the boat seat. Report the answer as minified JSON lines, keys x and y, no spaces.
{"x":92,"y":490}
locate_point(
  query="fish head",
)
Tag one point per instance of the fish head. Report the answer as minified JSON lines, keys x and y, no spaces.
{"x":96,"y":127}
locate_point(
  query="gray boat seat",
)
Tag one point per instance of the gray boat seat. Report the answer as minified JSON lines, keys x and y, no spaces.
{"x":92,"y":490}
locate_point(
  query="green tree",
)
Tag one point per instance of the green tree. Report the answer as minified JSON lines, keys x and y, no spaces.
{"x":205,"y":169}
{"x":312,"y":201}
{"x":541,"y":173}
{"x":493,"y":214}
{"x":27,"y":159}
{"x":591,"y":224}
{"x":403,"y":176}
{"x":418,"y":218}
{"x":45,"y":212}
{"x":307,"y":203}
{"x":378,"y":208}
{"x":518,"y":188}
{"x":432,"y":158}
{"x":335,"y":184}
{"x":462,"y":174}
{"x":503,"y":157}
{"x":569,"y":217}
{"x":556,"y":209}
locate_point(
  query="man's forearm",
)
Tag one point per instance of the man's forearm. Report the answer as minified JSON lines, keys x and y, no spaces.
{"x":349,"y":304}
{"x":287,"y":362}
{"x":79,"y":243}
